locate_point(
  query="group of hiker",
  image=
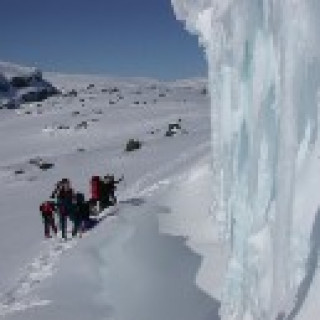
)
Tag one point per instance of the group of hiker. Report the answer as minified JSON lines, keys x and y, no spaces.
{"x":70,"y":205}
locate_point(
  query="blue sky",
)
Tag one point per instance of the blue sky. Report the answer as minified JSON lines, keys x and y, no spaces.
{"x":118,"y":37}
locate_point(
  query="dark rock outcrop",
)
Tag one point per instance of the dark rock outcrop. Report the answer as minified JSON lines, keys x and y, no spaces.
{"x":20,"y":85}
{"x":133,"y":145}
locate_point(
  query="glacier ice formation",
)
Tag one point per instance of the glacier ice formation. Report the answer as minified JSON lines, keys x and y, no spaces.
{"x":263,"y":58}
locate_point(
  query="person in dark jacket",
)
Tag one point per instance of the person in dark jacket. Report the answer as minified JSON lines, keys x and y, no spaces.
{"x":47,"y":212}
{"x":86,"y":221}
{"x":105,"y":190}
{"x":110,"y":188}
{"x":80,"y":214}
{"x":64,"y":197}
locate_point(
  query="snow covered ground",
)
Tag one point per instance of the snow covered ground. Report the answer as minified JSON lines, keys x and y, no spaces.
{"x":154,"y":257}
{"x":157,"y":255}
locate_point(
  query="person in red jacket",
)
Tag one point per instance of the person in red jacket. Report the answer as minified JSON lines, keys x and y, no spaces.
{"x":47,"y":212}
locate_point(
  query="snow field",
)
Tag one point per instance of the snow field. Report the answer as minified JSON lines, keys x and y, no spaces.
{"x":59,"y":282}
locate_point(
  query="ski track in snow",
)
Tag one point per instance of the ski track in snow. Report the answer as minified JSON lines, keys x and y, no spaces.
{"x":144,"y":186}
{"x":21,"y":297}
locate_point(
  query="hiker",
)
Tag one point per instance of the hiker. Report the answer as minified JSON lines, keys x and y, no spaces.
{"x":87,"y":223}
{"x":64,"y":195}
{"x":47,"y":212}
{"x":105,"y":192}
{"x":80,"y":214}
{"x":110,"y":186}
{"x":96,"y":191}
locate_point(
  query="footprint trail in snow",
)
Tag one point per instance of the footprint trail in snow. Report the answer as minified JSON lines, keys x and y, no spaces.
{"x":20,"y":297}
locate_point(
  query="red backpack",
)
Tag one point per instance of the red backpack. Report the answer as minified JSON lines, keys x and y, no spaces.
{"x":47,"y":208}
{"x":95,"y":188}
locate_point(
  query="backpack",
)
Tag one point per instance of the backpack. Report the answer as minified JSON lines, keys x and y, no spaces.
{"x":47,"y":207}
{"x":95,"y":187}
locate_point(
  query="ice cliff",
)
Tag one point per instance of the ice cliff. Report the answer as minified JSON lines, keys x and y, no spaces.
{"x":263,"y":58}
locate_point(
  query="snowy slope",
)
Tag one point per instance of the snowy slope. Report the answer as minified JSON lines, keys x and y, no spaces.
{"x":72,"y":280}
{"x":132,"y":265}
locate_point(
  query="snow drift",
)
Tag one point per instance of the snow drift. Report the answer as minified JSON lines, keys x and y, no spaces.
{"x":263,"y":58}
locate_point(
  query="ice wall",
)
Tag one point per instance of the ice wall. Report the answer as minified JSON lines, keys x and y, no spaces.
{"x":263,"y":58}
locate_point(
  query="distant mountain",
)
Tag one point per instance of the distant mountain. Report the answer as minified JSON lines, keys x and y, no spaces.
{"x":20,"y":85}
